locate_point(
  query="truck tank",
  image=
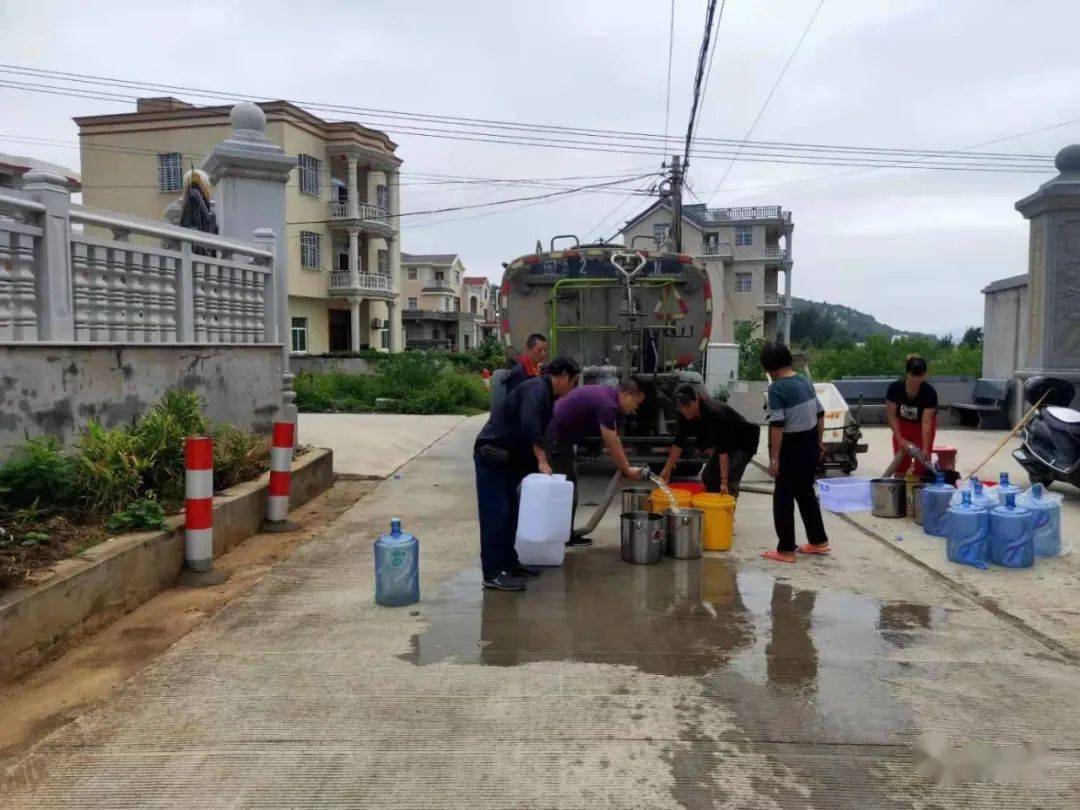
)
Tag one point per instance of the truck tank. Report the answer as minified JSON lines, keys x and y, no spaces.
{"x":619,"y":313}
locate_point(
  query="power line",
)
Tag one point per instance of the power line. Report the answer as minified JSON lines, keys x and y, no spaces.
{"x":528,"y":128}
{"x":768,"y":98}
{"x":699,"y":77}
{"x":708,"y":71}
{"x":670,"y":51}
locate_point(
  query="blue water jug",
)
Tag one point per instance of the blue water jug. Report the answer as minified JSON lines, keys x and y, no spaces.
{"x":967,"y":532}
{"x":397,"y":567}
{"x":935,"y":502}
{"x":1005,"y":488}
{"x":1011,"y":535}
{"x":980,"y":498}
{"x":1047,"y":520}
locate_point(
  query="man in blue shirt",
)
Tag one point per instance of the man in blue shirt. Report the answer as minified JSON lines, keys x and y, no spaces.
{"x":510,"y":446}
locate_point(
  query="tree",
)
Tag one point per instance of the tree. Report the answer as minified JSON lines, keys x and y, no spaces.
{"x":973,"y":337}
{"x":750,"y":343}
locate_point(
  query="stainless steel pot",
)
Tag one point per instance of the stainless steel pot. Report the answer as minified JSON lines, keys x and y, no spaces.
{"x":684,"y":533}
{"x":889,"y":497}
{"x":642,"y":537}
{"x":636,"y":499}
{"x":917,"y":503}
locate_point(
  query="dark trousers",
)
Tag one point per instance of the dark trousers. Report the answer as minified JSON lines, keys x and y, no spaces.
{"x":561,"y":458}
{"x":795,"y":485}
{"x":497,"y":502}
{"x":738,"y":461}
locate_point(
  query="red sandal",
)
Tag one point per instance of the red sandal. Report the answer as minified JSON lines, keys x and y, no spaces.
{"x":778,"y":556}
{"x":810,"y":548}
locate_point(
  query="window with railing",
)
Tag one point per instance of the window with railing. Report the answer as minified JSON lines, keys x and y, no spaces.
{"x":310,"y":250}
{"x":384,"y":262}
{"x":170,"y":171}
{"x":744,"y":282}
{"x":310,"y":169}
{"x":299,"y":334}
{"x":382,"y":197}
{"x":660,"y":232}
{"x":412,"y":274}
{"x":414,"y":303}
{"x":744,"y":235}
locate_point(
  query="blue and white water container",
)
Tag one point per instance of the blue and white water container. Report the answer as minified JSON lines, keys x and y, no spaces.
{"x":1012,"y":535}
{"x":967,"y":532}
{"x":935,"y":505}
{"x":1046,"y":508}
{"x":397,"y":567}
{"x":1006,"y":488}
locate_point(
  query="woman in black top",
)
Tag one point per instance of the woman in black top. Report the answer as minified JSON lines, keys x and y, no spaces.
{"x":911,"y":404}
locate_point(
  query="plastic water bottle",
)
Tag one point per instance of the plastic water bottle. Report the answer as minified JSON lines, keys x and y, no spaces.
{"x":967,"y":531}
{"x":1005,"y":488}
{"x":1011,"y":535}
{"x":935,"y":500}
{"x":980,"y":497}
{"x":1046,"y":509}
{"x":397,"y":567}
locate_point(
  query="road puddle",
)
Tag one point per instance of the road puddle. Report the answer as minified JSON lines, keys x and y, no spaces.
{"x":789,"y":667}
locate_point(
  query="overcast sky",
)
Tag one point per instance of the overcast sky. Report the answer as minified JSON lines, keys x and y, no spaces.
{"x":911,"y":247}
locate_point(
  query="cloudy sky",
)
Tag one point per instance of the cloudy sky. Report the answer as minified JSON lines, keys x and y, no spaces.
{"x":913,"y":247}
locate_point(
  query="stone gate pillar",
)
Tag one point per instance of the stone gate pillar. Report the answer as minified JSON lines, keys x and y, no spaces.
{"x":1054,"y":273}
{"x":249,"y":173}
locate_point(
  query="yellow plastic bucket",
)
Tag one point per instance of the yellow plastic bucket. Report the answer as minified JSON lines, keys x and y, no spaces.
{"x":661,"y":503}
{"x":719,"y":524}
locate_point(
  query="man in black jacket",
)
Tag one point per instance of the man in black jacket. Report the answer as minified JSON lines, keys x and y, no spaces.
{"x":529,"y":364}
{"x":510,"y":446}
{"x":720,"y":432}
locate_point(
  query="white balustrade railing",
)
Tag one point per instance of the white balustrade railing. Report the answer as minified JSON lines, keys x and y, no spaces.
{"x":775,"y":252}
{"x":175,"y":285}
{"x":746,"y":213}
{"x":346,"y":280}
{"x":717,"y":249}
{"x":771,"y":299}
{"x":370,"y":213}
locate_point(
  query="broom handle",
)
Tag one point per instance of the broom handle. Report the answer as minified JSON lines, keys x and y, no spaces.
{"x":1012,"y":433}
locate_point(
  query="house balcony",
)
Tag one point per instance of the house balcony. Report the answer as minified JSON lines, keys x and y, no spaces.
{"x":774,"y":302}
{"x":373,"y":285}
{"x":367,"y":217}
{"x":720,"y":250}
{"x":774,"y":254}
{"x":440,"y":287}
{"x":437,"y":315}
{"x":760,"y":213}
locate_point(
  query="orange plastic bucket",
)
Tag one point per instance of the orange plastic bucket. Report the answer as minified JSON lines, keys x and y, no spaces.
{"x":661,"y":504}
{"x":718,"y":527}
{"x":946,"y":457}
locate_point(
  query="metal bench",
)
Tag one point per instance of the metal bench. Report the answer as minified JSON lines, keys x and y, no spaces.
{"x":988,"y":407}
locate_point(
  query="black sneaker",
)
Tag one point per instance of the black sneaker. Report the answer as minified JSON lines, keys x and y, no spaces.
{"x":505,"y":581}
{"x":525,"y":571}
{"x":578,"y":541}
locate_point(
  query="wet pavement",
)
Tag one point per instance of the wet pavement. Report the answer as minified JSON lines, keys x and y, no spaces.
{"x":721,"y":682}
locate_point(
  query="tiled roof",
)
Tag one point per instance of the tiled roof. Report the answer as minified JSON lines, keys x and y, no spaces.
{"x":477,"y":280}
{"x":428,"y":258}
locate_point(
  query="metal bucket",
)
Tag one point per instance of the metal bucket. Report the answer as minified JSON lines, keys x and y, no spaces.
{"x":890,"y":499}
{"x":916,"y":503}
{"x":636,"y":499}
{"x":642,"y":537}
{"x":684,"y":533}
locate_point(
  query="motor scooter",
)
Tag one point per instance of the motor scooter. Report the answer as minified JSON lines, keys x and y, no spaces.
{"x":1051,"y":448}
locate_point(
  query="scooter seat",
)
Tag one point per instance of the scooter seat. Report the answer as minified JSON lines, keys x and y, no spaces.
{"x":1063,"y":419}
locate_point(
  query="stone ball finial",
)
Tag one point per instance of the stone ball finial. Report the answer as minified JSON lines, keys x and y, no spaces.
{"x":246,"y":115}
{"x":1068,"y":159}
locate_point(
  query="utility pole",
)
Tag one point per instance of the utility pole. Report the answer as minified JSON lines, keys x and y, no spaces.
{"x":677,"y":169}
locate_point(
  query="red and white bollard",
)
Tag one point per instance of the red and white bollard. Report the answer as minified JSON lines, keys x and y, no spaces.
{"x":199,"y":503}
{"x":281,"y":457}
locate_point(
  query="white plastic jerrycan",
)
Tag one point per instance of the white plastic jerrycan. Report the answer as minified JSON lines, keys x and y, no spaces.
{"x":544,"y":515}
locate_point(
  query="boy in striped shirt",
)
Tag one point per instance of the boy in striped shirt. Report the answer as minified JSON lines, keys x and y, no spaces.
{"x":796,"y":425}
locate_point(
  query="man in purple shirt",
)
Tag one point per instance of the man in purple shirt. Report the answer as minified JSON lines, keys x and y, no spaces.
{"x":581,"y":414}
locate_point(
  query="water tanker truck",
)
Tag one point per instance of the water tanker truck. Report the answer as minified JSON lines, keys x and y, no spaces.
{"x":620,"y":313}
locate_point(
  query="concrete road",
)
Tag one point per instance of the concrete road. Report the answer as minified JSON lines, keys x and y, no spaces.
{"x":722,"y":682}
{"x":373,"y":445}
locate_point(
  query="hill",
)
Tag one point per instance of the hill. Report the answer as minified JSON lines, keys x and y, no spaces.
{"x":820,"y":322}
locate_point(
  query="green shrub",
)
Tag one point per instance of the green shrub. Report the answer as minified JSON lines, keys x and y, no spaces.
{"x":39,"y":473}
{"x":238,"y":456}
{"x":141,"y":515}
{"x":314,"y":392}
{"x":109,"y":471}
{"x":159,"y":438}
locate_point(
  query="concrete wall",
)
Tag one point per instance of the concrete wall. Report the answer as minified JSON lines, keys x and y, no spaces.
{"x":50,"y":389}
{"x":319,"y":365}
{"x":1005,"y":331}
